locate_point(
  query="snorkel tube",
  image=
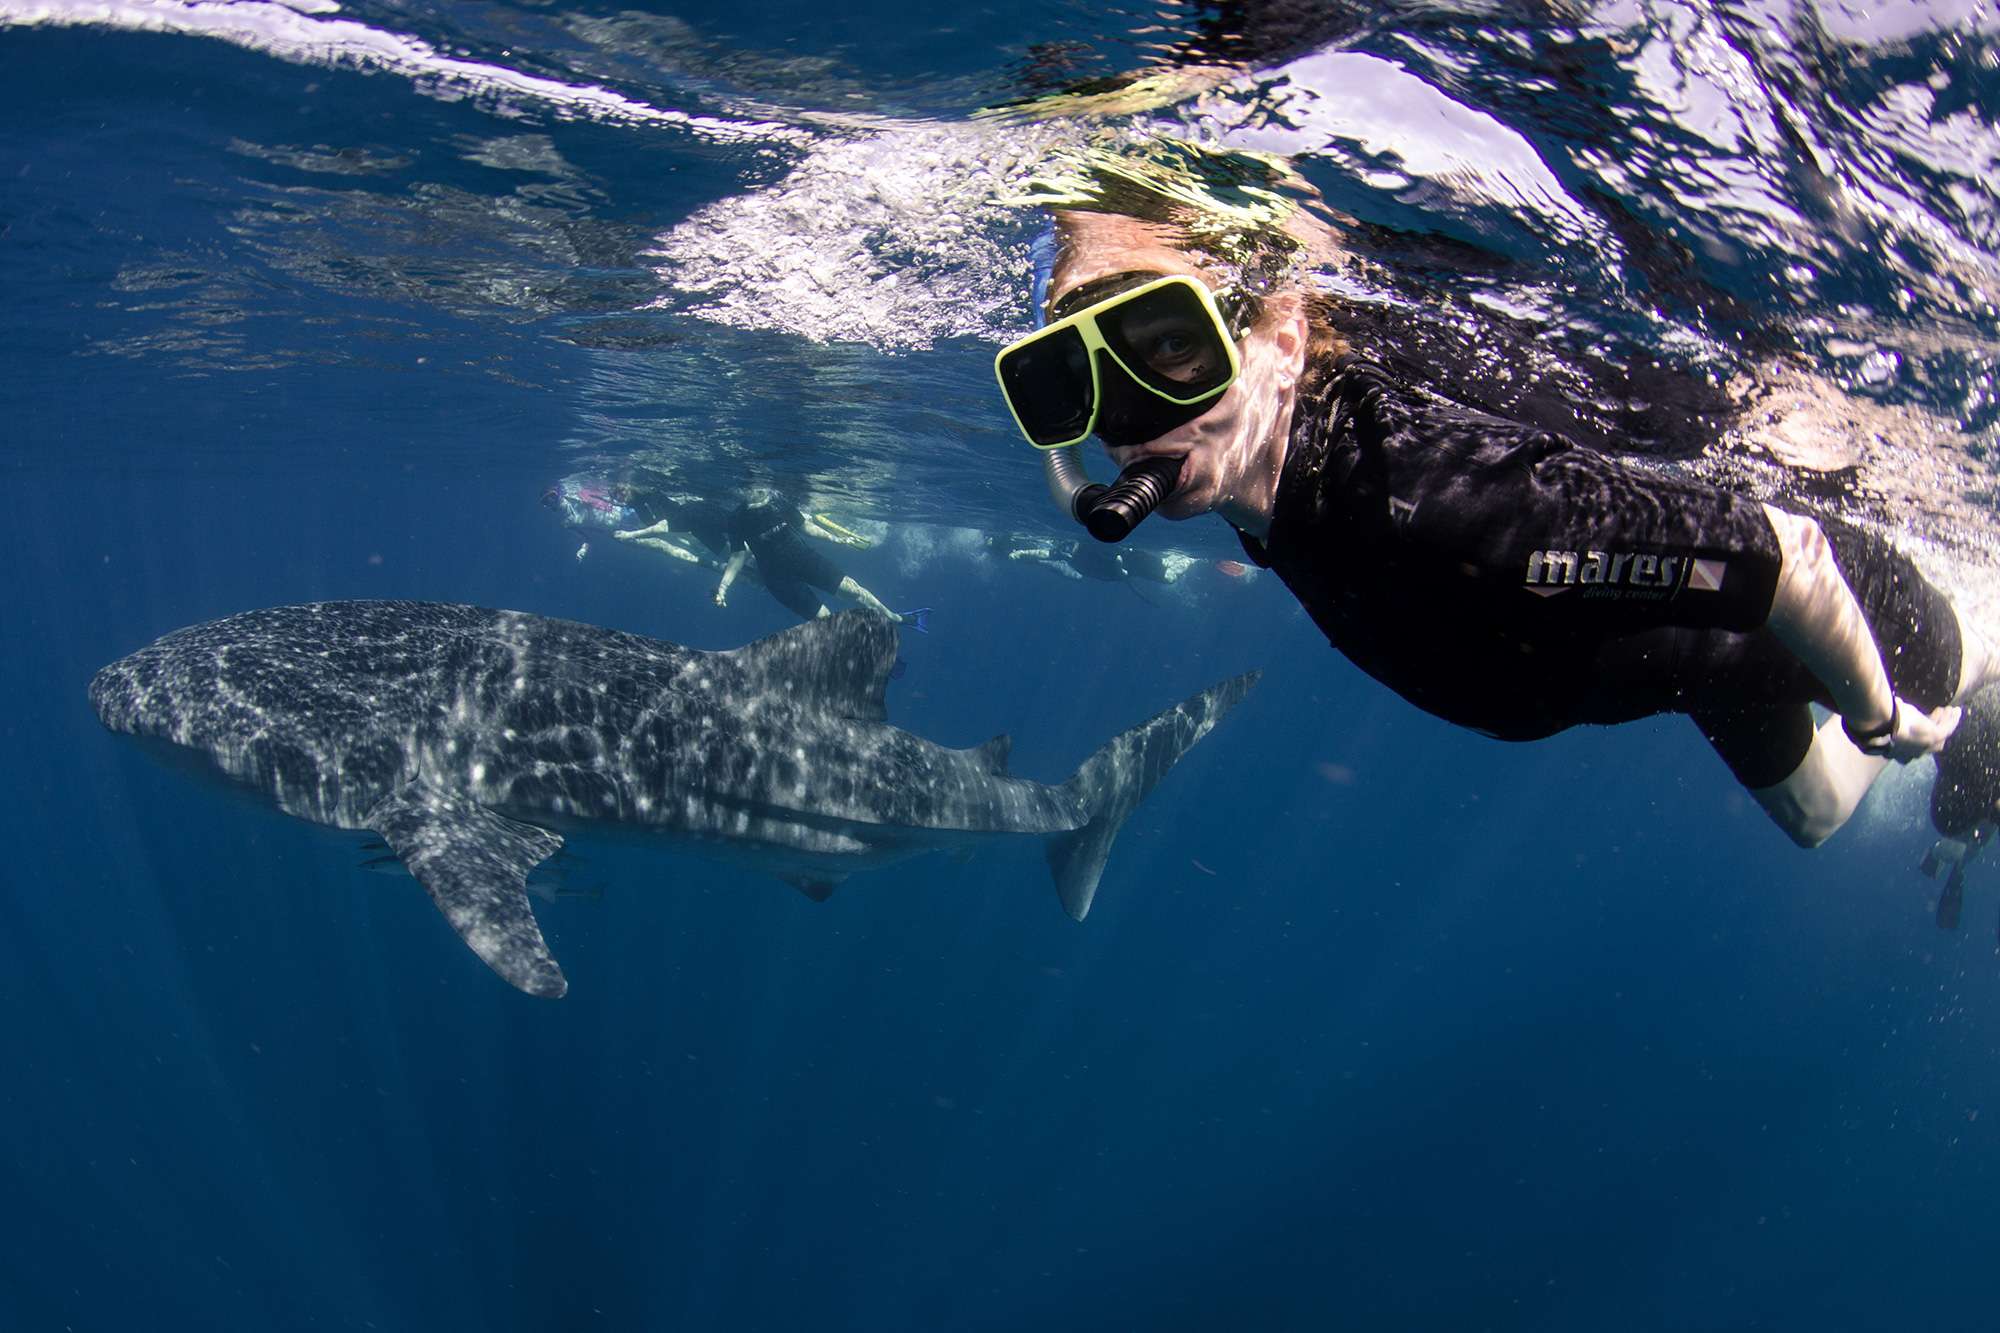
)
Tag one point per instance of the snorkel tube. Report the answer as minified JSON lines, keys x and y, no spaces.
{"x":1108,"y":512}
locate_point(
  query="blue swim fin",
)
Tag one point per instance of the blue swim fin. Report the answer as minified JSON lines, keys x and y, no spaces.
{"x":919,"y":619}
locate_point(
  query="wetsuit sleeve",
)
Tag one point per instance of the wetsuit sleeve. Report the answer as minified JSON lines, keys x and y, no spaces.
{"x":1563,"y":537}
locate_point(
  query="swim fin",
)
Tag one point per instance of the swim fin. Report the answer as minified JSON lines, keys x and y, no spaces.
{"x":1949,"y":856}
{"x":1952,"y":901}
{"x":918,"y":620}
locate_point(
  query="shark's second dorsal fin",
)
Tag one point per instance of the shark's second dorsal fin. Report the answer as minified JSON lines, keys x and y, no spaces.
{"x":992,"y":756}
{"x":839,"y":663}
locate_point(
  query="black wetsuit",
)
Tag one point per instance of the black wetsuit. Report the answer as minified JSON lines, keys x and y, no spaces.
{"x":769,"y":529}
{"x":1500,"y":577}
{"x":707,"y":521}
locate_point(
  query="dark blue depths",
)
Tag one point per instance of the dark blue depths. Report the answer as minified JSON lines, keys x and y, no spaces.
{"x":1373,"y":1024}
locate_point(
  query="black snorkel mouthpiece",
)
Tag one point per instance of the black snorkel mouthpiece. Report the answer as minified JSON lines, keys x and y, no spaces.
{"x":1111,"y":512}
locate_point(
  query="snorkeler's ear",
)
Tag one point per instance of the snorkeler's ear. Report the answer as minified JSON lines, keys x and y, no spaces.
{"x":1287,"y":316}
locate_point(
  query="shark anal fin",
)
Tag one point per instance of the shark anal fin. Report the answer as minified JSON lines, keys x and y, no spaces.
{"x":819,"y":890}
{"x":474,"y":864}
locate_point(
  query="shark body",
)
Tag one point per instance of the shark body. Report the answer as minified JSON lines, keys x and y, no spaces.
{"x":468,"y":739}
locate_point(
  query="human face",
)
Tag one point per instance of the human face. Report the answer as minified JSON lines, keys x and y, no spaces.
{"x":1232,"y":453}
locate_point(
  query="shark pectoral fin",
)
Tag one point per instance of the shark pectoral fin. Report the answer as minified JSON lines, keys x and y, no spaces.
{"x":819,"y":890}
{"x":474,"y":864}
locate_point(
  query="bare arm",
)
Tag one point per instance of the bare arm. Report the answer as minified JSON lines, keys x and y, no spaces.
{"x":1814,"y":614}
{"x":729,"y":573}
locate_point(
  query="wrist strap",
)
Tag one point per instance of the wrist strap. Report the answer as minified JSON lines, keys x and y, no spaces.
{"x":1871,"y":737}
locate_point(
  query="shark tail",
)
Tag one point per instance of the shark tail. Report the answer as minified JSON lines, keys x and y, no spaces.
{"x":1111,"y":784}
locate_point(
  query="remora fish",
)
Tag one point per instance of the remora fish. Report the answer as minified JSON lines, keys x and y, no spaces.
{"x":457,"y":733}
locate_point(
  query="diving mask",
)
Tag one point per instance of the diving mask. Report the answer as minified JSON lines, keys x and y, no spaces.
{"x":1141,"y":354}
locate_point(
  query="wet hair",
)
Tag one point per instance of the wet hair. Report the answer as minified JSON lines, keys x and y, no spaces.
{"x":1324,"y":341}
{"x":1252,"y":229}
{"x":1242,"y":273}
{"x":1226,"y":211}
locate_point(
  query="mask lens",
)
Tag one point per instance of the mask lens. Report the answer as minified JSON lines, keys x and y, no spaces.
{"x":1130,"y":415}
{"x":1169,"y":341}
{"x":1048,"y":383}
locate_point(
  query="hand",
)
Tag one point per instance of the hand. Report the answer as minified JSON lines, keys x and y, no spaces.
{"x":1912,"y":733}
{"x":722,"y":597}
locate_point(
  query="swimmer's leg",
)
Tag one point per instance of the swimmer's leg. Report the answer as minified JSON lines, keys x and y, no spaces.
{"x":1978,"y":658}
{"x":824,"y":528}
{"x":849,"y":588}
{"x":1821,"y":794}
{"x":1808,"y":780}
{"x":659,"y":529}
{"x":799,"y":599}
{"x":1048,"y":558}
{"x":665,"y":547}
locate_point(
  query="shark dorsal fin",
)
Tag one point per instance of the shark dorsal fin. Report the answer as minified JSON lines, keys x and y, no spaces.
{"x":840,"y":663}
{"x":993,"y":754}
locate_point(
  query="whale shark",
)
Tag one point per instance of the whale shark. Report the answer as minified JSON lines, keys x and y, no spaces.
{"x":471,"y":741}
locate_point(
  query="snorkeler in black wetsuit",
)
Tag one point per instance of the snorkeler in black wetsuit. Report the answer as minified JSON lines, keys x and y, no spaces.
{"x":1506,"y":580}
{"x":1488,"y":571}
{"x":768,"y":528}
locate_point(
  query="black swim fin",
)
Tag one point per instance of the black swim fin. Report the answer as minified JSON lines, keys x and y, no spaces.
{"x":1952,"y":901}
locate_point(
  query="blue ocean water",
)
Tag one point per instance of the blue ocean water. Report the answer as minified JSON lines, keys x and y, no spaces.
{"x":1374,"y":1024}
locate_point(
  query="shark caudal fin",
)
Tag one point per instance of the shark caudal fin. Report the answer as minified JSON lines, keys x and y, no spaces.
{"x":1123,"y":773}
